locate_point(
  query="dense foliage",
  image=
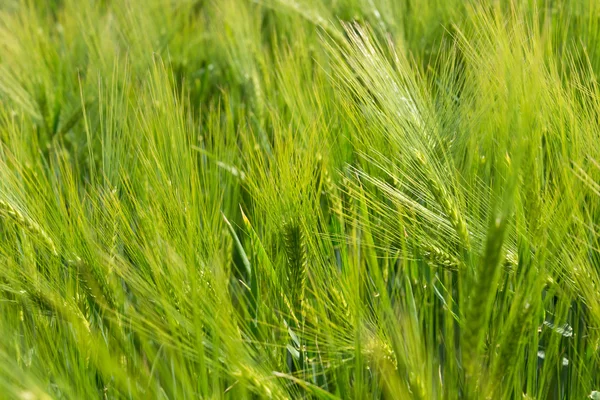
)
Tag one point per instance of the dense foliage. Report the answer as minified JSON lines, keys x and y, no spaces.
{"x":299,"y":199}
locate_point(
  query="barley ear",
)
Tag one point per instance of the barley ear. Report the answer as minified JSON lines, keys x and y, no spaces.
{"x":295,"y":250}
{"x":444,"y":199}
{"x":10,"y":212}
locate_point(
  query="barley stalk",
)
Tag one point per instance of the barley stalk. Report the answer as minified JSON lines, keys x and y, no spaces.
{"x":511,"y":346}
{"x":483,"y":292}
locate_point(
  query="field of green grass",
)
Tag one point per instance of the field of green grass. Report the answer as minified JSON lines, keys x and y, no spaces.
{"x":304,"y":199}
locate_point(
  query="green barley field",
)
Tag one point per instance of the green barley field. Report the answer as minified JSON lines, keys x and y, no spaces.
{"x":299,"y":199}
